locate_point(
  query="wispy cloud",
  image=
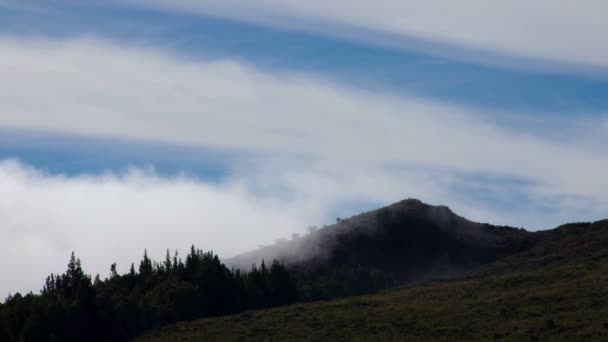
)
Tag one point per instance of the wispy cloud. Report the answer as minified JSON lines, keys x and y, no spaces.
{"x":97,"y":88}
{"x":548,"y":30}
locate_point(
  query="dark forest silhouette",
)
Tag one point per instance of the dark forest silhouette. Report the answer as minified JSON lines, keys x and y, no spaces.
{"x":74,"y":307}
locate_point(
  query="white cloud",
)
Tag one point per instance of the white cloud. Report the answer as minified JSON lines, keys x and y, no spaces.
{"x":112,"y":218}
{"x":95,"y":88}
{"x":320,"y":142}
{"x":562,"y":31}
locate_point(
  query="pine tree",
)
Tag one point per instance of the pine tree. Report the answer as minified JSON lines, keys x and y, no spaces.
{"x":74,"y":280}
{"x":75,"y":272}
{"x":176,"y":262}
{"x":49,"y":285}
{"x":145,"y":267}
{"x":168,"y":266}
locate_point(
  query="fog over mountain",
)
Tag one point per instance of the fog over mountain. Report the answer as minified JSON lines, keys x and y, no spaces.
{"x":410,"y":239}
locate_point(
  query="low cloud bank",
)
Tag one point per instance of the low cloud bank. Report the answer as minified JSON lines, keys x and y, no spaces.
{"x":112,"y":218}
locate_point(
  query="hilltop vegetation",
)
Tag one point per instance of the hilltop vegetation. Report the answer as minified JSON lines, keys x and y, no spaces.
{"x":557,"y":290}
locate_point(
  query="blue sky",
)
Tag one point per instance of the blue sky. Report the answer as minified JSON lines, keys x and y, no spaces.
{"x":231,"y":124}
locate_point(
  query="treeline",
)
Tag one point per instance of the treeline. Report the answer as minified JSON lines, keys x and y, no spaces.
{"x":74,"y":307}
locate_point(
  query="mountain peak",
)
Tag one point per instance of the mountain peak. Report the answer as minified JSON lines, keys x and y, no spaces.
{"x":403,"y":238}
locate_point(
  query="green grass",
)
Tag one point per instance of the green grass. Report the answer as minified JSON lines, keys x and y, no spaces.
{"x":559,"y":291}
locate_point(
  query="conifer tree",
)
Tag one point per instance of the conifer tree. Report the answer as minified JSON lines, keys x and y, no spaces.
{"x":176,"y":262}
{"x":145,"y":266}
{"x":168,"y":266}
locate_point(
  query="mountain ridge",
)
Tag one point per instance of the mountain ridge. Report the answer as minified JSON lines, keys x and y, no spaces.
{"x":441,"y":215}
{"x":407,"y":241}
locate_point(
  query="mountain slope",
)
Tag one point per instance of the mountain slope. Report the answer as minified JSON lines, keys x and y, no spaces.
{"x":555,"y":290}
{"x":410,"y":222}
{"x":406,"y":242}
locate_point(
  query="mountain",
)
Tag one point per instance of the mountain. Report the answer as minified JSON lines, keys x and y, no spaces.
{"x":405,"y":242}
{"x":554,"y":289}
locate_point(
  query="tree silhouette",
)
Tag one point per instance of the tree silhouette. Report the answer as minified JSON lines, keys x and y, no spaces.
{"x":145,"y":266}
{"x":71,"y":307}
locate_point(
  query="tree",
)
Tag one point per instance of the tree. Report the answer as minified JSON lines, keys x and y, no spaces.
{"x":167,"y":265}
{"x":132,"y":273}
{"x":75,"y":273}
{"x":74,"y":282}
{"x":282,"y":286}
{"x":145,"y":266}
{"x":177,"y":263}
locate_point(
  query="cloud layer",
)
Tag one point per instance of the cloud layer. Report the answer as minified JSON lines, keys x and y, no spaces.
{"x":561,"y":31}
{"x":96,"y":88}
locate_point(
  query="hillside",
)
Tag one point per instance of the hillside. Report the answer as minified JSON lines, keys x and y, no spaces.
{"x":409,"y":225}
{"x":556,"y":290}
{"x":404,"y":243}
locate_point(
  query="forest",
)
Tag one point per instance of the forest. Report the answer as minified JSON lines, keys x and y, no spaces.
{"x":74,"y":307}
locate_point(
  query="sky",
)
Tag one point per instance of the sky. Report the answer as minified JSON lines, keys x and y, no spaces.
{"x":128,"y":124}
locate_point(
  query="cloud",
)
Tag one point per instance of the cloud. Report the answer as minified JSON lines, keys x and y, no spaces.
{"x":96,"y":88}
{"x":113,"y":217}
{"x":308,"y":146}
{"x":559,"y":31}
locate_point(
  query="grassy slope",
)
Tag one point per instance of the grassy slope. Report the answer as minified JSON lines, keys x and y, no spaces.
{"x":559,"y":290}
